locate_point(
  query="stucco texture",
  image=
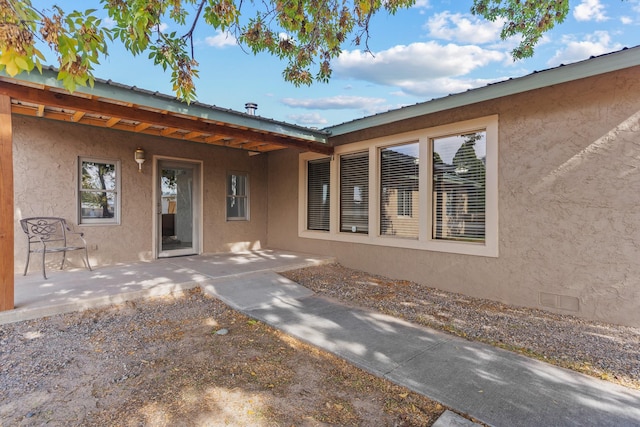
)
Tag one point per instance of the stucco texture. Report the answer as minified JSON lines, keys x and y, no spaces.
{"x":46,"y":169}
{"x":569,"y":223}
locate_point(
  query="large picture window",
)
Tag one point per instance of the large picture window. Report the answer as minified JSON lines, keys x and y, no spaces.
{"x":399,"y":190}
{"x":433,"y":189}
{"x":318,"y":194}
{"x":237,"y":196}
{"x":99,"y":191}
{"x":354,"y":192}
{"x":459,"y":188}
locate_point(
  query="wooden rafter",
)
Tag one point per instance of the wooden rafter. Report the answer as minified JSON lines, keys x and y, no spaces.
{"x":129,"y":117}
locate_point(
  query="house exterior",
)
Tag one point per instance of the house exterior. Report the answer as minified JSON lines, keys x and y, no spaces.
{"x":524,"y":191}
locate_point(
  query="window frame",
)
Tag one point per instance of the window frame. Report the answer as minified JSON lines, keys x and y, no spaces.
{"x":425,"y":240}
{"x":115,"y":220}
{"x":322,"y":160}
{"x":228,"y":195}
{"x":362,"y":206}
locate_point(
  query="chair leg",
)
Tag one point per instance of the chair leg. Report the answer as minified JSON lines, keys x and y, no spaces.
{"x":86,"y":258}
{"x":26,"y":267}
{"x":44,"y":273}
{"x":64,"y":258}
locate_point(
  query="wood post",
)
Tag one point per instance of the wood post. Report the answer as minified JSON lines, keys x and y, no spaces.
{"x":6,"y":206}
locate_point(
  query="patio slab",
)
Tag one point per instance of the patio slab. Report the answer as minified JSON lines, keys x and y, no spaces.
{"x":79,"y":289}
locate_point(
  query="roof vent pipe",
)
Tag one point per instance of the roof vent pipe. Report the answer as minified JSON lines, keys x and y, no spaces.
{"x":251,"y":108}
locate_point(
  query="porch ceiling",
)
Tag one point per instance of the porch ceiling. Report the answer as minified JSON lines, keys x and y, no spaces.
{"x":40,"y":100}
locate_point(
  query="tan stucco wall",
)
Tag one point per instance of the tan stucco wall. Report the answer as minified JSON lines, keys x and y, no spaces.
{"x":45,"y":169}
{"x":569,"y":222}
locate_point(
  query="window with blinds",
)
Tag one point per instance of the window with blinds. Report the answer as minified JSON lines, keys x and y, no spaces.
{"x":237,"y":196}
{"x":399,"y":191}
{"x":459,"y":177}
{"x":318,"y":194}
{"x":354,"y":193}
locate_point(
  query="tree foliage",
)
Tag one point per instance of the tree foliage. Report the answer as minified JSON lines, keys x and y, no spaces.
{"x":306,"y":34}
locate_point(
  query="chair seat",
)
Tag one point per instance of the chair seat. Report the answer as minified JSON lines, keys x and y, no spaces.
{"x":58,"y":249}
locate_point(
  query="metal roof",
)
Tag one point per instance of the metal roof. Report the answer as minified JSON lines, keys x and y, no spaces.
{"x":113,"y":105}
{"x":625,"y":58}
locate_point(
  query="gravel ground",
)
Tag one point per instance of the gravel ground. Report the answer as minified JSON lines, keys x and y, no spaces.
{"x":167,"y":362}
{"x":186,"y":360}
{"x":606,"y":351}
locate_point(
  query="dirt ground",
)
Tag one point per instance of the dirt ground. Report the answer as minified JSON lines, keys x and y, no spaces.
{"x":185,"y":360}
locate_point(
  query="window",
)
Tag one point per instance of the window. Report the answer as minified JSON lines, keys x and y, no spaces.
{"x":354,"y":193}
{"x":237,"y":197}
{"x":432,"y":189}
{"x":318,"y":192}
{"x":399,"y":190}
{"x":99,"y":191}
{"x":405,"y":202}
{"x":459,"y":187}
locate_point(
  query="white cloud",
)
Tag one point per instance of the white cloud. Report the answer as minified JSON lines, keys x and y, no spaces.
{"x":590,"y":10}
{"x":417,"y":67}
{"x":308,"y":119}
{"x":221,"y":39}
{"x":625,"y":20}
{"x":594,"y":44}
{"x":422,"y":4}
{"x":334,"y":103}
{"x":463,"y":28}
{"x":437,"y":88}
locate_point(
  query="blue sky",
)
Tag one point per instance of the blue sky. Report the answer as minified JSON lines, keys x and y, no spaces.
{"x":434,"y":49}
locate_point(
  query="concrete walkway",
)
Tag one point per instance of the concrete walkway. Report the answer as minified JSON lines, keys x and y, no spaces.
{"x":494,"y":386}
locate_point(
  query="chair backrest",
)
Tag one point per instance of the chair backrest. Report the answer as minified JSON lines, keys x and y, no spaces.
{"x":45,"y":229}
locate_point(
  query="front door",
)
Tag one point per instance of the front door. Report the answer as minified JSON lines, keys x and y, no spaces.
{"x":178,"y":208}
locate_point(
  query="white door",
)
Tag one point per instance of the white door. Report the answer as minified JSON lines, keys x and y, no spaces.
{"x":178,"y":204}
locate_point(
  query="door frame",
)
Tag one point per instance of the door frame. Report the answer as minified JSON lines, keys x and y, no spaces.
{"x":198,"y":199}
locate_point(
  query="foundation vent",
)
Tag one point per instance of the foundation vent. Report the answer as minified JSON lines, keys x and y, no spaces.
{"x":563,"y":302}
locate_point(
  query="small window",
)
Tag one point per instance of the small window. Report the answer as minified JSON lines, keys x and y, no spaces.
{"x":459,"y":187}
{"x":99,"y":191}
{"x":237,"y":197}
{"x":354,"y":193}
{"x":318,"y":193}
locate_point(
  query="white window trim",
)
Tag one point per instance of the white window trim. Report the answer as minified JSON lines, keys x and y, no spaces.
{"x":247,"y":196}
{"x":425,"y":241}
{"x":99,"y":221}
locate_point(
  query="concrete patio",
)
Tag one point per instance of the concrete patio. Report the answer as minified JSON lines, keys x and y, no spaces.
{"x":78,"y":289}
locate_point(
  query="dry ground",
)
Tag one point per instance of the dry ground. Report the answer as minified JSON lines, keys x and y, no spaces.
{"x":164,"y":362}
{"x":607,"y":351}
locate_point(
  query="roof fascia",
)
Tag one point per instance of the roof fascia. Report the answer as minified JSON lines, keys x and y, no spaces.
{"x":156,"y":100}
{"x":615,"y":61}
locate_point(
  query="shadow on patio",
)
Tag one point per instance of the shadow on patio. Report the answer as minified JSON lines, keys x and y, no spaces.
{"x":72,"y":290}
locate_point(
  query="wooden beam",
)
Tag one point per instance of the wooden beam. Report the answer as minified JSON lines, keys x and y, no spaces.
{"x":142,"y":126}
{"x":168,"y":131}
{"x":112,"y":121}
{"x":77,"y":116}
{"x":170,"y":120}
{"x":6,"y":206}
{"x":192,"y":135}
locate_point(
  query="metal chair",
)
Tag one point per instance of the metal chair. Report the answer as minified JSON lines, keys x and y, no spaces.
{"x":49,"y":235}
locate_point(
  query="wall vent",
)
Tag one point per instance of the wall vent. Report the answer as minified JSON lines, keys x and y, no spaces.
{"x":563,"y":302}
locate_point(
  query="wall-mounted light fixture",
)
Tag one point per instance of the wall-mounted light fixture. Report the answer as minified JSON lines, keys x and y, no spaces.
{"x":139,"y":158}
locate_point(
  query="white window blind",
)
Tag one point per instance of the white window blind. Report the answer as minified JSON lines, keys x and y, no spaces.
{"x":459,"y":176}
{"x":399,"y":191}
{"x":354,"y":193}
{"x":237,"y":196}
{"x":318,"y":193}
